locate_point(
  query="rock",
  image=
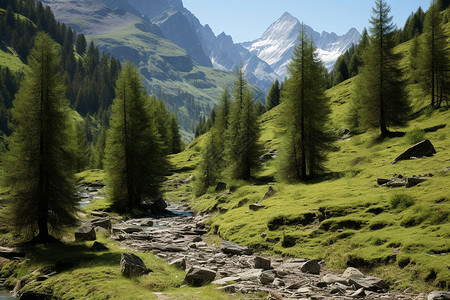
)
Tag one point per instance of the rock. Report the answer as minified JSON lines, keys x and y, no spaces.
{"x":85,"y":233}
{"x":256,"y":206}
{"x":351,"y":271}
{"x":99,"y":214}
{"x":132,"y":265}
{"x":424,"y":148}
{"x":269,"y":193}
{"x":9,"y":253}
{"x":330,"y":279}
{"x":438,"y":295}
{"x":179,"y":263}
{"x":368,"y":282}
{"x":232,"y":248}
{"x":198,"y":276}
{"x":267,"y":277}
{"x":101,"y":222}
{"x":278,"y":282}
{"x":126,"y":229}
{"x":147,"y":223}
{"x":446,"y":169}
{"x":311,"y":266}
{"x":262,"y":263}
{"x":226,"y":280}
{"x":221,"y":186}
{"x":98,"y":247}
{"x":359,"y":293}
{"x":32,"y":295}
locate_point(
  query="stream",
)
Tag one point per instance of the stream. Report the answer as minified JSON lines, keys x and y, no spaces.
{"x":5,"y":294}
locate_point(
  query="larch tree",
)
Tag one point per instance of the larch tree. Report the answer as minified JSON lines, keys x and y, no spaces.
{"x":243,"y":150}
{"x":39,"y":166}
{"x":134,"y":153}
{"x":305,"y":112}
{"x":434,"y":58}
{"x":273,"y":97}
{"x":381,"y":87}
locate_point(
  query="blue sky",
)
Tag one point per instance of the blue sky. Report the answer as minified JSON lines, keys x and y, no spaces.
{"x":246,"y":20}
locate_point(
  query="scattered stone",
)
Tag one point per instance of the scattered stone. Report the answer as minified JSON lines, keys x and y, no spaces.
{"x":278,"y":282}
{"x":424,"y":148}
{"x":132,"y":265}
{"x":99,"y":214}
{"x":262,"y":263}
{"x":99,"y":247}
{"x":267,"y":277}
{"x":330,"y":279}
{"x":359,"y":293}
{"x":311,"y":266}
{"x":147,"y":223}
{"x":400,"y":181}
{"x":446,"y":169}
{"x":198,"y":276}
{"x":438,"y":295}
{"x":236,"y":249}
{"x":269,"y":193}
{"x":368,"y":282}
{"x":179,"y":263}
{"x":9,"y":253}
{"x":226,"y":280}
{"x":350,"y":271}
{"x":85,"y":233}
{"x":221,"y":186}
{"x":101,"y":222}
{"x":250,"y":275}
{"x":256,"y":206}
{"x":126,"y":229}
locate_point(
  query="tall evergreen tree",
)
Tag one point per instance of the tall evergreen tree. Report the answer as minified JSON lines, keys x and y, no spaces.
{"x":380,"y":87}
{"x":134,"y":156}
{"x":434,"y":58}
{"x":38,"y":168}
{"x":243,"y":150}
{"x":223,"y":113}
{"x":305,"y":114}
{"x":273,"y":97}
{"x":210,"y":163}
{"x":176,"y":142}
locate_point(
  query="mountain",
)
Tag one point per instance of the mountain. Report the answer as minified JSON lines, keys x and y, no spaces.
{"x":277,"y":43}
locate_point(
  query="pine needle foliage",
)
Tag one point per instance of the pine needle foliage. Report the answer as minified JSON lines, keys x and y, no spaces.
{"x":39,"y":166}
{"x":305,"y":115}
{"x":134,"y":155}
{"x":380,"y":88}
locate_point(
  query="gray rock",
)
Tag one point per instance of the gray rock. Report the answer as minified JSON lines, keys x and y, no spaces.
{"x":359,"y":293}
{"x":256,"y":206}
{"x":330,"y":279}
{"x":99,"y":214}
{"x":8,"y":253}
{"x":179,"y":263}
{"x":232,"y":248}
{"x":85,"y":233}
{"x":98,"y":247}
{"x":439,"y":295}
{"x":226,"y":280}
{"x":262,"y":263}
{"x":278,"y":282}
{"x":198,"y":276}
{"x":126,"y":229}
{"x":250,"y":275}
{"x":368,"y":282}
{"x":147,"y":223}
{"x":351,"y":271}
{"x":267,"y":277}
{"x":311,"y":267}
{"x":424,"y":148}
{"x":101,"y":222}
{"x":132,"y":265}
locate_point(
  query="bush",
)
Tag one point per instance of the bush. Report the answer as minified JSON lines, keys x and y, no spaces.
{"x":415,"y":136}
{"x":402,"y":201}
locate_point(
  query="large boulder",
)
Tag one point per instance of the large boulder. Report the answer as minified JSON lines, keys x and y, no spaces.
{"x":198,"y":276}
{"x":424,"y":148}
{"x":132,"y":265}
{"x":311,"y":267}
{"x":8,"y":253}
{"x":101,"y":222}
{"x":85,"y":233}
{"x":236,"y":249}
{"x":438,"y":295}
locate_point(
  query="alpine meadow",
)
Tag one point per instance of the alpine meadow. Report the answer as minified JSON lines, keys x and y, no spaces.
{"x":142,"y":156}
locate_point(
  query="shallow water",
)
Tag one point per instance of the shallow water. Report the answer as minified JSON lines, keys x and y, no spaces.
{"x":5,"y":294}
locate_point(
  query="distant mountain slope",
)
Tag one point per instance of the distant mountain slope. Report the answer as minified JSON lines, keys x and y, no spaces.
{"x":277,"y":43}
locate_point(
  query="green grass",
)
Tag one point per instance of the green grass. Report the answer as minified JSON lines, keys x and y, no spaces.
{"x":12,"y":61}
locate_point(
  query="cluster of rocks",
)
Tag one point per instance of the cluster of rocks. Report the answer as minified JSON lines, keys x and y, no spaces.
{"x":398,"y":180}
{"x":236,"y":269}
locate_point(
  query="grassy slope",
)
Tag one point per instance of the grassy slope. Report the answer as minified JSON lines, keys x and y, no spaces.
{"x":345,"y":218}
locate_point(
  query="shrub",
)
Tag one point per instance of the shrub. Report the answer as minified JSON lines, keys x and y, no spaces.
{"x":402,"y":201}
{"x":415,"y":136}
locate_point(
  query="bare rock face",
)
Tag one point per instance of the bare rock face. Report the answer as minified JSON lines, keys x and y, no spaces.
{"x":85,"y":233}
{"x":198,"y":276}
{"x":424,"y":148}
{"x":132,"y":265}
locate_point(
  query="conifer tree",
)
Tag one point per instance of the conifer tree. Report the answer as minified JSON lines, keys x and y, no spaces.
{"x":434,"y":58}
{"x":38,"y":167}
{"x":176,"y":143}
{"x":380,"y":86}
{"x":223,"y":113}
{"x":273,"y":97}
{"x":243,"y":150}
{"x":305,"y":114}
{"x":134,"y":154}
{"x":210,"y":163}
